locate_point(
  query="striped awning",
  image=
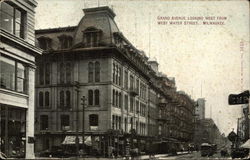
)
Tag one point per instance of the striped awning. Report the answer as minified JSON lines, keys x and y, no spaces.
{"x":72,"y":140}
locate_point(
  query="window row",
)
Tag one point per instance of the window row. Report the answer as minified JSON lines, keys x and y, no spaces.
{"x":142,"y":129}
{"x":94,"y":97}
{"x":45,"y":43}
{"x":117,"y":99}
{"x":44,"y":99}
{"x":13,"y":75}
{"x":65,"y":70}
{"x":143,"y":91}
{"x":64,"y":119}
{"x":117,"y":74}
{"x":12,"y":19}
{"x":44,"y":73}
{"x":65,"y":122}
{"x":94,"y":72}
{"x":130,"y":82}
{"x":142,"y":109}
{"x":65,"y":99}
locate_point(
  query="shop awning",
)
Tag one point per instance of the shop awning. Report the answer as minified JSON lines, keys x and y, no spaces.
{"x":72,"y":140}
{"x":246,"y":144}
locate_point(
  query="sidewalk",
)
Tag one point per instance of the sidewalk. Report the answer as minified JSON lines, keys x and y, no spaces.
{"x":143,"y":157}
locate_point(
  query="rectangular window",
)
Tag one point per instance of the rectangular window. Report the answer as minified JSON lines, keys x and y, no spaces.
{"x":137,"y":85}
{"x":131,"y":82}
{"x":126,"y":102}
{"x":12,"y":74}
{"x":137,"y":107}
{"x":126,"y":80}
{"x":44,"y":122}
{"x":93,"y":120}
{"x":12,"y":19}
{"x":65,"y":122}
{"x":126,"y":125}
{"x":131,"y":104}
{"x":47,"y":73}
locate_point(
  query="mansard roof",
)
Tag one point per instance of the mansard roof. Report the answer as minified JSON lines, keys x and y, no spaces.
{"x":102,"y":19}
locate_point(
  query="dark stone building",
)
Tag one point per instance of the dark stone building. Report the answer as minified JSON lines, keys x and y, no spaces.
{"x":129,"y":104}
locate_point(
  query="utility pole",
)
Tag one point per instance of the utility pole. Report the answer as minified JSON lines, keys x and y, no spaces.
{"x":77,"y":89}
{"x":83,"y":117}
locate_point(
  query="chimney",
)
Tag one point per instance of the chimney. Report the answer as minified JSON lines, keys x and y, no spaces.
{"x":99,"y":10}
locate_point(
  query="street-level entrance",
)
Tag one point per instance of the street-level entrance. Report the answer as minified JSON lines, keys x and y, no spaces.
{"x":12,"y":131}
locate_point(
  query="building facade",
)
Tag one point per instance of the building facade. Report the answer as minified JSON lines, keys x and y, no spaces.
{"x":121,"y":88}
{"x":17,"y":90}
{"x":200,"y":108}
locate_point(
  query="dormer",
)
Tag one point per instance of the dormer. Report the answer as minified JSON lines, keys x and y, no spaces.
{"x":92,"y":37}
{"x":65,"y":41}
{"x":96,"y":28}
{"x":44,"y":42}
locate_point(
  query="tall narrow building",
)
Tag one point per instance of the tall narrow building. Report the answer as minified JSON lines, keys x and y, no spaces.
{"x":17,"y":67}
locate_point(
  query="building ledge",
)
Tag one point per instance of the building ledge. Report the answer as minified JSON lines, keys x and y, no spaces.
{"x":18,"y":42}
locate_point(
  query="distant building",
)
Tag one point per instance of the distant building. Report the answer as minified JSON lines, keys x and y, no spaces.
{"x":208,"y":132}
{"x":17,"y":68}
{"x":200,"y":108}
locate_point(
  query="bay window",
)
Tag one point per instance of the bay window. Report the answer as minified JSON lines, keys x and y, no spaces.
{"x":13,"y":74}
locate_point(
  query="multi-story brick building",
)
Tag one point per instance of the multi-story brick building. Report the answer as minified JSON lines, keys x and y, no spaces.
{"x":121,"y":86}
{"x":17,"y":60}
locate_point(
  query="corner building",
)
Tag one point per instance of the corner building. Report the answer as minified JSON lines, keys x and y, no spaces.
{"x":121,"y":86}
{"x":17,"y":67}
{"x":112,"y":76}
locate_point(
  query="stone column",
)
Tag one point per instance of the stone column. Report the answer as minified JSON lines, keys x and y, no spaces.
{"x":30,"y":112}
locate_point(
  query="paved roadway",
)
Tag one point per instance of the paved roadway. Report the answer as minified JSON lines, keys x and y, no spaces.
{"x":193,"y":156}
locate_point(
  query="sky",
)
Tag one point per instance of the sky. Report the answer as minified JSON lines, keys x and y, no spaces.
{"x":203,"y":44}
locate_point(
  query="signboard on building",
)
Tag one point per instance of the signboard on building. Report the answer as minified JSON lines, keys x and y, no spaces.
{"x":242,"y":98}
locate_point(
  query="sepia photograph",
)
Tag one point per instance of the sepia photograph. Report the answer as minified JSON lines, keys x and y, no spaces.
{"x":124,"y":79}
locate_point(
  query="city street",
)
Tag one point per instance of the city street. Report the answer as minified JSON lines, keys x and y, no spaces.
{"x":194,"y":155}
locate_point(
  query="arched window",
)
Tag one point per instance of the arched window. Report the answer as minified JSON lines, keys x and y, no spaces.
{"x":62,"y":98}
{"x":61,"y":73}
{"x":40,"y":99}
{"x":68,"y":99}
{"x":90,"y":97}
{"x":93,"y":120}
{"x":90,"y":70}
{"x":47,"y":73}
{"x":97,"y":72}
{"x":97,"y":97}
{"x":47,"y":98}
{"x":68,"y":72}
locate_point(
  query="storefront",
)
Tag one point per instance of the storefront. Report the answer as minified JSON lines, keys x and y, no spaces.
{"x":12,"y":131}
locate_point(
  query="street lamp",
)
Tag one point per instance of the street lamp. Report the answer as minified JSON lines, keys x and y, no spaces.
{"x":77,"y":89}
{"x":83,"y":117}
